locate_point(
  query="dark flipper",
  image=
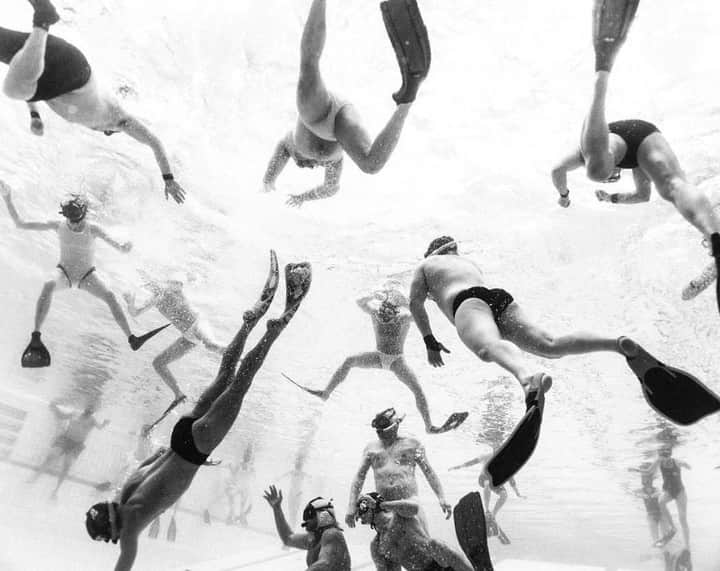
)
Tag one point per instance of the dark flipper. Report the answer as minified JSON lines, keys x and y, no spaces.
{"x":45,"y":14}
{"x":177,"y":402}
{"x":171,"y":530}
{"x":409,"y":38}
{"x":715,"y":243}
{"x":518,"y":448}
{"x":673,"y":393}
{"x":611,"y":22}
{"x":36,"y":354}
{"x":313,"y":392}
{"x":137,"y":342}
{"x":469,"y":516}
{"x":453,"y":421}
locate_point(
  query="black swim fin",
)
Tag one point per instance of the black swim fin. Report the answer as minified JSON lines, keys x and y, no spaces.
{"x":453,"y":421}
{"x":469,"y":518}
{"x":715,"y":244}
{"x":409,"y":38}
{"x":675,"y":394}
{"x":611,"y":22}
{"x":519,"y":447}
{"x":36,"y":354}
{"x":45,"y":14}
{"x":137,"y":342}
{"x":314,"y":392}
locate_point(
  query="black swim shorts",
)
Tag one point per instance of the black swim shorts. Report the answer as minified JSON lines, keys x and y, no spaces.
{"x":66,"y":68}
{"x":498,"y":299}
{"x":182,"y":442}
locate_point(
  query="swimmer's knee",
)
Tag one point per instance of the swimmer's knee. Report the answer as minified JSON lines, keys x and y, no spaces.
{"x":484,"y":354}
{"x":548,"y":347}
{"x":370,"y":167}
{"x":15,"y":90}
{"x":598,"y":173}
{"x":159,"y":363}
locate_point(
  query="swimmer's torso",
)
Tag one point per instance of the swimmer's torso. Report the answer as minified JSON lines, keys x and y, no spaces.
{"x":448,"y":275}
{"x":390,"y":337}
{"x":313,"y":147}
{"x":78,"y":428}
{"x":87,"y":106}
{"x":173,"y":305}
{"x":394,"y":468}
{"x":77,"y":249}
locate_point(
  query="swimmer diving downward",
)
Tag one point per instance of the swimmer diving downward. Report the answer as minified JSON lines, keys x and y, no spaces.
{"x":43,"y":67}
{"x":328,"y":126}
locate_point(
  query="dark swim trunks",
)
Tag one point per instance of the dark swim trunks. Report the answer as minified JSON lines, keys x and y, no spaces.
{"x":498,"y":299}
{"x":652,"y":507}
{"x":633,"y":132}
{"x":672,"y":481}
{"x":182,"y":442}
{"x":66,"y":68}
{"x":68,"y":445}
{"x":435,"y":566}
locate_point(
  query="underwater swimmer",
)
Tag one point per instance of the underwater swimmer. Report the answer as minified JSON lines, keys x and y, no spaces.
{"x":329,"y":126}
{"x":391,"y":322}
{"x":76,"y":267}
{"x":393,"y":459}
{"x":401,"y":537}
{"x":46,"y":68}
{"x":164,"y":477}
{"x":324,"y":540}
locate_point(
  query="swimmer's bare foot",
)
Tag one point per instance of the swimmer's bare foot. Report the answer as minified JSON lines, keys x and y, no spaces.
{"x":45,"y":14}
{"x":628,"y":347}
{"x":298,"y":278}
{"x":535,"y":388}
{"x":268,"y":293}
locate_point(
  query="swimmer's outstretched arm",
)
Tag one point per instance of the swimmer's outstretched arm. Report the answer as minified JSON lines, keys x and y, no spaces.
{"x":6,"y":193}
{"x":364,"y":303}
{"x":277,"y":163}
{"x":432,"y":479}
{"x":643,"y":187}
{"x":418,"y":295}
{"x":154,"y":456}
{"x":274,"y":497}
{"x":133,"y":127}
{"x":135,"y":310}
{"x":128,"y":551}
{"x":472,"y":462}
{"x":559,"y":175}
{"x":100,"y":233}
{"x":356,"y":488}
{"x":326,"y":190}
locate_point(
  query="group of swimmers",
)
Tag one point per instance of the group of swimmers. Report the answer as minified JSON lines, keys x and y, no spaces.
{"x":489,"y":321}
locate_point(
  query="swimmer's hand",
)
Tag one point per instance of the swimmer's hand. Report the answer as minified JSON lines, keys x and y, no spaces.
{"x":295,"y":200}
{"x":350,"y":519}
{"x":435,"y":350}
{"x":126,"y":247}
{"x":446,"y":508}
{"x":273,"y":496}
{"x":36,"y":126}
{"x":5,"y":189}
{"x":268,"y":187}
{"x":564,"y":199}
{"x":172,"y":188}
{"x":602,"y":196}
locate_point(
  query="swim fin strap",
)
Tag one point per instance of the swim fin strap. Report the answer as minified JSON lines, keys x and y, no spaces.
{"x":409,"y":38}
{"x":611,"y":22}
{"x":36,"y":354}
{"x":675,"y":394}
{"x":469,"y":518}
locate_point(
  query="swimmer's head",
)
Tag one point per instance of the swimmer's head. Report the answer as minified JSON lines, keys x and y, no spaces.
{"x":387,"y":311}
{"x":176,"y":280}
{"x":442,"y":245}
{"x":665,"y":452}
{"x":318,"y":514}
{"x":103,"y":523}
{"x":74,"y":208}
{"x":387,"y":423}
{"x":367,"y":507}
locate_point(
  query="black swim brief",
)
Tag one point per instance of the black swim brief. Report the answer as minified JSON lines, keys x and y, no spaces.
{"x":66,"y":68}
{"x":633,"y":132}
{"x":182,"y":442}
{"x":498,"y":299}
{"x":435,"y":566}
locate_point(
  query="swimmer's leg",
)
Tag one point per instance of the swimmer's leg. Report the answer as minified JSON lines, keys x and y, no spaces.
{"x":27,"y":66}
{"x":664,"y":500}
{"x":313,"y":98}
{"x":681,"y":502}
{"x":595,"y":139}
{"x":362,"y":360}
{"x":406,"y":376}
{"x":96,"y":287}
{"x":52,"y":455}
{"x":67,"y":462}
{"x":370,"y":156}
{"x":174,"y":352}
{"x":43,"y":303}
{"x":500,"y":502}
{"x":477,"y":329}
{"x":516,"y":327}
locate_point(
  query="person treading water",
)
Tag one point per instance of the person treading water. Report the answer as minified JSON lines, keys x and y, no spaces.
{"x":607,"y":148}
{"x":171,"y":302}
{"x":329,"y":126}
{"x":43,"y":67}
{"x":164,"y":477}
{"x":495,"y":328}
{"x":76,"y":268}
{"x":391,"y":322}
{"x":324,"y":540}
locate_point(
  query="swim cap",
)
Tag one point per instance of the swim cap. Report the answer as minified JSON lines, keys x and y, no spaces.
{"x":386,"y":419}
{"x":440,"y":245}
{"x":98,"y":521}
{"x":315,"y":508}
{"x":74,"y":208}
